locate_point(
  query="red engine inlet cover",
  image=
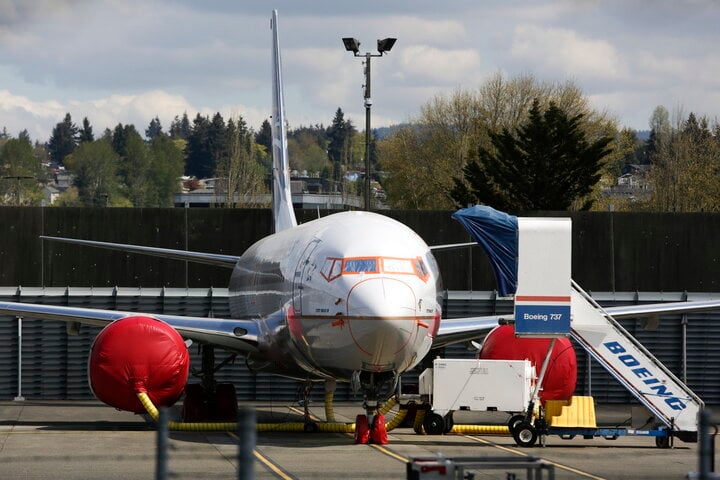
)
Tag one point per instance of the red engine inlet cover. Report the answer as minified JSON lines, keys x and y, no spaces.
{"x":135,"y":354}
{"x":561,"y":375}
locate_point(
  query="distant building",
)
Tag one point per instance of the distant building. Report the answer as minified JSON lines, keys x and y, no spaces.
{"x":631,"y":185}
{"x":308,"y":191}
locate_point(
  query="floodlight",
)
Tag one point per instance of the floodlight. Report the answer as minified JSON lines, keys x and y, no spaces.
{"x":386,"y":44}
{"x":351,"y":45}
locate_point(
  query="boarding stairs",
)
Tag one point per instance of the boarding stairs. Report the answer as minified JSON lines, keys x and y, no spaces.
{"x":663,"y":394}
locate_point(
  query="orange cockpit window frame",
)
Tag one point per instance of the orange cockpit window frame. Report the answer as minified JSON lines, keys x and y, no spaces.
{"x":334,"y":267}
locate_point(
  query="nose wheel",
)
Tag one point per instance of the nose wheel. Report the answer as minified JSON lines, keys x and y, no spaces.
{"x":524,"y":433}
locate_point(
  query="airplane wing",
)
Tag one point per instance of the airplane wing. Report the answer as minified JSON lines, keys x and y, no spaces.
{"x":655,"y":309}
{"x":455,"y":330}
{"x":232,"y":334}
{"x":228,"y":261}
{"x":452,"y":246}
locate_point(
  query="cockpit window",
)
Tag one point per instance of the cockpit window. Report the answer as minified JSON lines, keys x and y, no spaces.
{"x":332,"y":268}
{"x":397,"y":265}
{"x":358,"y":265}
{"x":335,"y":267}
{"x":421,"y":269}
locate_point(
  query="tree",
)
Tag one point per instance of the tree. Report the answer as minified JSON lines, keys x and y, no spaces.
{"x":546,"y":164}
{"x":264,"y":135}
{"x":238,"y":170}
{"x":217,"y":143}
{"x":63,"y":140}
{"x":180,"y":128}
{"x":135,"y":168}
{"x":95,"y":165}
{"x":154,"y":129}
{"x":198,"y":149}
{"x":307,"y":151}
{"x":20,"y":172}
{"x":685,"y":167}
{"x":449,"y":131}
{"x":339,"y":135}
{"x":166,"y":168}
{"x":86,"y":133}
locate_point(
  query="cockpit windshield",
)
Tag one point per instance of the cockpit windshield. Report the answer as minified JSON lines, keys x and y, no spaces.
{"x":335,"y":267}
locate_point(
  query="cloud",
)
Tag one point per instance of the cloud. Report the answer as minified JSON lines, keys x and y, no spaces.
{"x":39,"y":118}
{"x":564,"y":51}
{"x":423,"y":63}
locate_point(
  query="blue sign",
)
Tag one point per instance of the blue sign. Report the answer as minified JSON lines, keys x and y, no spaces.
{"x":542,"y":320}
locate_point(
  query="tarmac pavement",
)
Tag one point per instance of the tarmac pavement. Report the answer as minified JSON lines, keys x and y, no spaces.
{"x":88,"y":440}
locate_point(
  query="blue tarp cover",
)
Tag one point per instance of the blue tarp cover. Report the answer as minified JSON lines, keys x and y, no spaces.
{"x":497,"y":233}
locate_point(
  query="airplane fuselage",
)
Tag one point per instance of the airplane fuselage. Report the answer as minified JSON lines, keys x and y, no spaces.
{"x":350,"y":292}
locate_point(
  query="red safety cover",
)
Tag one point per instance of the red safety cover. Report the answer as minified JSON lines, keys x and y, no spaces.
{"x":138,"y":354}
{"x":561,"y":376}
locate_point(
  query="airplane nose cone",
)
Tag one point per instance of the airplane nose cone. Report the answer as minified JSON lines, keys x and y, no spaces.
{"x":382,"y":318}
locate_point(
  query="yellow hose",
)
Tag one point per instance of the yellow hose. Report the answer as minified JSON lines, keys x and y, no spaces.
{"x":184,"y":426}
{"x":397,"y":420}
{"x":387,"y":406}
{"x":419,"y":418}
{"x":329,"y":410}
{"x":481,"y":429}
{"x":329,"y":427}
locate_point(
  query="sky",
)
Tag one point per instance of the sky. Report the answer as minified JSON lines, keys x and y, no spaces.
{"x":128,"y":61}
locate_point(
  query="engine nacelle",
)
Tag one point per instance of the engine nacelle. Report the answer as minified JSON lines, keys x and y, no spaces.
{"x":135,"y":354}
{"x":561,"y":375}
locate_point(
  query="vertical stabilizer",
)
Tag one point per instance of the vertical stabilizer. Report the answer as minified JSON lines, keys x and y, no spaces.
{"x":283,"y":213}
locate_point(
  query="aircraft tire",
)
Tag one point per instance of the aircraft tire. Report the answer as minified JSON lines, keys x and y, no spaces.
{"x":524,"y":434}
{"x":514,"y":420}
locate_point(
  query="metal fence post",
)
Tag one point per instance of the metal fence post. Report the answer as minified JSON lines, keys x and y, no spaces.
{"x":161,"y":460}
{"x":246,"y":446}
{"x":19,"y":397}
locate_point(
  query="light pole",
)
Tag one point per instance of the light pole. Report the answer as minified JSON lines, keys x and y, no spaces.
{"x":383,"y":46}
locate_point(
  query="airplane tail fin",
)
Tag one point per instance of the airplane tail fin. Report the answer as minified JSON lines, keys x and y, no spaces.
{"x":283,"y":213}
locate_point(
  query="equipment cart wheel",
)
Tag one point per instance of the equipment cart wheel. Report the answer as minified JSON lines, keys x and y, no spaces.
{"x":662,"y":442}
{"x":524,"y":434}
{"x":434,"y":423}
{"x":449,"y":423}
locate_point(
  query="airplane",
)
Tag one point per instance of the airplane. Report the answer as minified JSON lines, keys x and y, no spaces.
{"x":353,"y":297}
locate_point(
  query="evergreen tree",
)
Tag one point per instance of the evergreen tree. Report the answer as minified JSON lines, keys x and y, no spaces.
{"x":86,"y":132}
{"x":154,"y":129}
{"x":547,"y":164}
{"x":337,"y":135}
{"x":63,"y":140}
{"x":198,"y":150}
{"x":180,"y":128}
{"x":217,"y":143}
{"x":264,"y":135}
{"x":25,"y":136}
